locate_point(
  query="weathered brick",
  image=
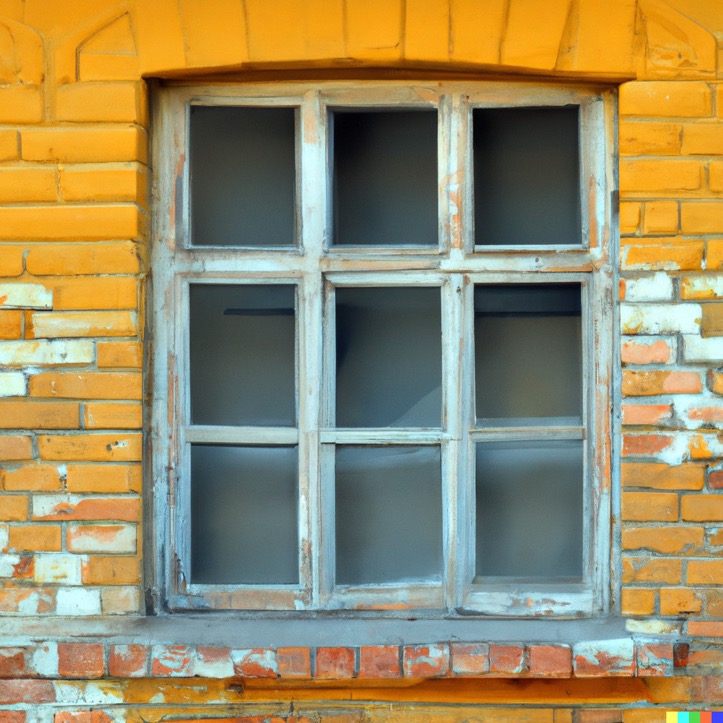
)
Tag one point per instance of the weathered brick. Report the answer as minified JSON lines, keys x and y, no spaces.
{"x":13,"y":508}
{"x":648,"y":287}
{"x":81,"y":144}
{"x":57,"y":568}
{"x":550,"y":661}
{"x":10,"y":324}
{"x":80,"y":660}
{"x":98,"y":415}
{"x":646,"y":351}
{"x":34,"y":692}
{"x":679,"y":601}
{"x":660,"y":318}
{"x":111,"y":570}
{"x":123,"y":600}
{"x":654,"y":383}
{"x":77,"y":601}
{"x":172,"y":660}
{"x":103,"y":478}
{"x":649,"y":138}
{"x":87,"y":292}
{"x":705,"y":572}
{"x":470,"y":658}
{"x":215,"y":662}
{"x":654,"y":659}
{"x":668,"y":253}
{"x":12,"y":384}
{"x":33,"y":478}
{"x":646,"y":414}
{"x":702,"y":508}
{"x":254,"y":662}
{"x":669,"y":540}
{"x":667,"y":177}
{"x":15,"y":447}
{"x":120,"y":354}
{"x":644,"y":569}
{"x":701,"y":286}
{"x":701,"y":217}
{"x":666,"y":99}
{"x":646,"y":445}
{"x":712,"y":324}
{"x":334,"y":663}
{"x":507,"y":659}
{"x":637,"y":601}
{"x":104,"y":182}
{"x":121,"y":257}
{"x":379,"y":661}
{"x":76,"y":507}
{"x":65,"y":324}
{"x":294,"y":662}
{"x":111,"y":102}
{"x":39,"y":415}
{"x":101,"y":538}
{"x":34,"y":538}
{"x":425,"y":661}
{"x":87,"y":385}
{"x":650,"y":506}
{"x":12,"y":663}
{"x":125,"y":447}
{"x":715,"y":382}
{"x":604,"y":658}
{"x":21,"y":295}
{"x":128,"y":661}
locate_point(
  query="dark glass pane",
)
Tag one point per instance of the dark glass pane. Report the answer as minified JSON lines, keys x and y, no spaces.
{"x":385,"y":178}
{"x":242,"y":176}
{"x":529,"y":509}
{"x":388,"y":357}
{"x":388,"y":514}
{"x":242,"y":355}
{"x":526,"y":176}
{"x":528,"y":351}
{"x":244,"y":515}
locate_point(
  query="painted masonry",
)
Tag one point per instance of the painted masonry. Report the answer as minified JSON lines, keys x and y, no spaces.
{"x":75,"y":233}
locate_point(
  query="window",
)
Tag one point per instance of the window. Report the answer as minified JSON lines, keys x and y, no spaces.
{"x":382,"y":348}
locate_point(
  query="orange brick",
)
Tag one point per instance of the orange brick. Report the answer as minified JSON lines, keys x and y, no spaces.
{"x":85,"y":144}
{"x":97,"y":258}
{"x":39,"y":538}
{"x":705,"y":572}
{"x":87,"y":292}
{"x":108,"y":66}
{"x":39,"y":415}
{"x":13,"y":508}
{"x":121,"y":600}
{"x":660,"y":176}
{"x":87,"y":385}
{"x":27,"y":184}
{"x":645,"y":569}
{"x":635,"y":352}
{"x":20,"y":104}
{"x":104,"y":182}
{"x":9,"y":145}
{"x":102,"y":538}
{"x":111,"y":570}
{"x":712,"y":323}
{"x":665,"y":540}
{"x":112,"y":416}
{"x":103,"y":478}
{"x":714,"y":253}
{"x":33,"y":478}
{"x":683,"y":254}
{"x":91,"y":447}
{"x":645,"y":445}
{"x":654,"y":383}
{"x":645,"y":138}
{"x":679,"y":601}
{"x":11,"y":260}
{"x":702,"y":508}
{"x":629,"y":217}
{"x":78,"y":324}
{"x":118,"y":101}
{"x":637,"y":601}
{"x":650,"y":506}
{"x":666,"y":98}
{"x":703,"y":139}
{"x":64,"y":507}
{"x":11,"y":324}
{"x":661,"y":217}
{"x":701,"y":217}
{"x":120,"y":354}
{"x":646,"y":414}
{"x":15,"y":447}
{"x":715,"y":176}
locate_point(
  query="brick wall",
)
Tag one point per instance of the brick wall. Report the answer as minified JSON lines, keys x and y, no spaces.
{"x":74,"y":208}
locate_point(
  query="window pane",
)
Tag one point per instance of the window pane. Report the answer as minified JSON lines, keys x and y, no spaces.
{"x":528,"y":351}
{"x":242,"y":355}
{"x":385,"y":178}
{"x":529,"y":509}
{"x":526,"y":176}
{"x":388,"y":514}
{"x":244,"y":515}
{"x":242,"y":176}
{"x":388,"y":357}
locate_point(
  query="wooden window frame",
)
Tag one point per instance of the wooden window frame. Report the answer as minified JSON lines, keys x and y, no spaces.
{"x":316,"y":267}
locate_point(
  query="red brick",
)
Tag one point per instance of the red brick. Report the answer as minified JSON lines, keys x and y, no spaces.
{"x":379,"y":661}
{"x":128,"y":661}
{"x":12,"y":716}
{"x":600,"y":715}
{"x":604,"y":658}
{"x":425,"y":661}
{"x":654,"y":659}
{"x":550,"y":661}
{"x":26,"y":691}
{"x":334,"y":663}
{"x":172,"y":661}
{"x":80,"y":660}
{"x":294,"y":662}
{"x":507,"y":659}
{"x":470,"y":658}
{"x":12,"y":663}
{"x":255,"y":663}
{"x":635,"y":445}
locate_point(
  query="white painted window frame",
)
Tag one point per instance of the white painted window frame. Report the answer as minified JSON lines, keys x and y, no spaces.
{"x":316,"y":268}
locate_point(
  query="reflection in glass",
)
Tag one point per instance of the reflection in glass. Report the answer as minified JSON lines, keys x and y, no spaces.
{"x":388,"y":514}
{"x":528,"y":351}
{"x":526,"y":176}
{"x":244,"y":515}
{"x":242,"y":354}
{"x":529,"y":509}
{"x":385,"y":178}
{"x":243,"y":175}
{"x":388,"y":357}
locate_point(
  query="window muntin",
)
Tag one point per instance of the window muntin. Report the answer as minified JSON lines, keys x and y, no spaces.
{"x":331,"y":573}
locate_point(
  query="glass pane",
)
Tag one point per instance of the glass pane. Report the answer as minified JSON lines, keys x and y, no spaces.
{"x":526,"y":176}
{"x":242,"y":176}
{"x":528,"y":351}
{"x":244,"y":515}
{"x":388,"y":514}
{"x":529,"y":509}
{"x":242,"y":355}
{"x":388,"y":357}
{"x":385,"y":178}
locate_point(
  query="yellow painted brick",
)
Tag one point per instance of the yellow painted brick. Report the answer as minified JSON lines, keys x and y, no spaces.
{"x":663,"y":254}
{"x":33,"y":478}
{"x":103,"y":478}
{"x":629,"y":217}
{"x":685,"y":99}
{"x":667,"y":540}
{"x":101,"y":182}
{"x":87,"y":385}
{"x":714,"y":253}
{"x":91,"y":447}
{"x":679,"y":601}
{"x":637,"y":601}
{"x":661,"y":217}
{"x":20,"y":104}
{"x":9,"y":145}
{"x":11,"y":321}
{"x":701,"y":217}
{"x":85,"y":144}
{"x":98,"y":415}
{"x":99,"y":101}
{"x":650,"y":506}
{"x":11,"y":260}
{"x":643,"y":138}
{"x":88,"y":292}
{"x":119,"y":354}
{"x":67,"y":324}
{"x":72,"y":222}
{"x":15,"y":447}
{"x":712,"y":323}
{"x":97,"y":258}
{"x":13,"y":508}
{"x":34,"y":538}
{"x":111,"y":570}
{"x":38,"y":415}
{"x":715,"y":176}
{"x":108,"y":66}
{"x":637,"y":176}
{"x":703,"y":139}
{"x":27,"y":184}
